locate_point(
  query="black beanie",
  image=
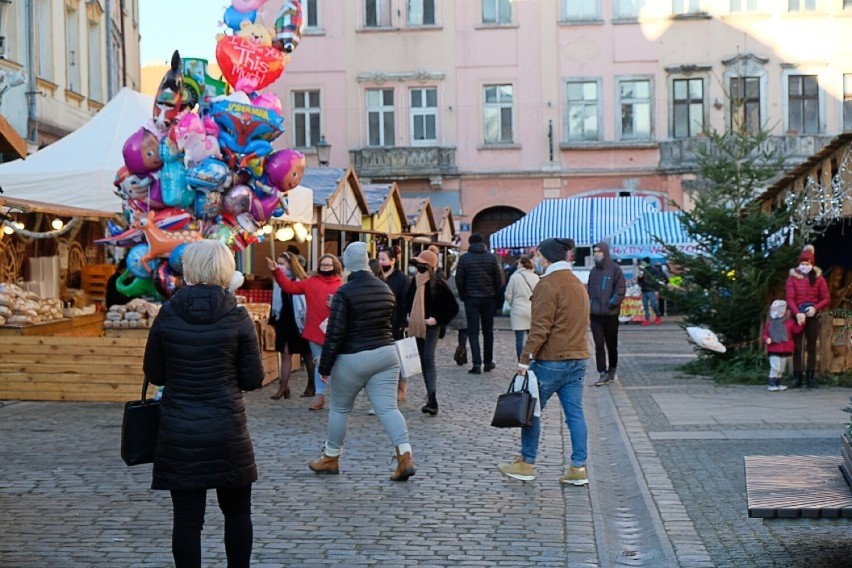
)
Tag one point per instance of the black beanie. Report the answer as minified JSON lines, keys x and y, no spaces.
{"x":555,"y":250}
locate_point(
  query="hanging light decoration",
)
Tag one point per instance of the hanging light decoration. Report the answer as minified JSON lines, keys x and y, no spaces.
{"x":57,"y":223}
{"x":301,"y":231}
{"x":818,"y":206}
{"x":284,"y":233}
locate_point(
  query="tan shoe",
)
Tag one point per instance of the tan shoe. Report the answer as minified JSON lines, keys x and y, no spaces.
{"x":404,"y":466}
{"x":400,"y":390}
{"x":575,"y":476}
{"x":318,"y":403}
{"x":326,"y":464}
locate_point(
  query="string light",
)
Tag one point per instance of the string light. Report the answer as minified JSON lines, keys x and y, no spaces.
{"x":267,"y":229}
{"x":7,"y":230}
{"x":284,"y":234}
{"x":820,"y":205}
{"x":57,"y":224}
{"x":300,"y":231}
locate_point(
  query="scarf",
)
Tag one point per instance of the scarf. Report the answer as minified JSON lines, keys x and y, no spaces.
{"x":777,"y":330}
{"x":417,"y":317}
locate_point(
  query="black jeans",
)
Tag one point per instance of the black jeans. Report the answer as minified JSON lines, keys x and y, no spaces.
{"x":476,"y":310}
{"x":189,"y":507}
{"x":808,"y":337}
{"x":605,"y":335}
{"x":426,"y":349}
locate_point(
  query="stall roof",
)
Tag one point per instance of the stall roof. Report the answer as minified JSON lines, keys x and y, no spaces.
{"x":807,"y":165}
{"x":640,"y":238}
{"x":78,"y":171}
{"x":587,"y":220}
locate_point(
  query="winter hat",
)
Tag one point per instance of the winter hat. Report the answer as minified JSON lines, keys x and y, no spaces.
{"x":807,"y":254}
{"x":355,"y":257}
{"x":426,"y":257}
{"x":777,"y":309}
{"x":555,"y":250}
{"x":475,"y":238}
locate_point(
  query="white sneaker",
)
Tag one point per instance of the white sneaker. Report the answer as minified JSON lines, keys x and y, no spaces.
{"x":780,"y":388}
{"x":371,"y":412}
{"x":773,"y":388}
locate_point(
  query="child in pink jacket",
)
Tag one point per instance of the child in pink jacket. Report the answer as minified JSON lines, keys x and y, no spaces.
{"x":778,"y":336}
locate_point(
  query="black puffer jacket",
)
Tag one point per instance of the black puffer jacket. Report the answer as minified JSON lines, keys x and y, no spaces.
{"x":204,"y":350}
{"x":479,"y":274}
{"x":360,"y":320}
{"x":398,"y":283}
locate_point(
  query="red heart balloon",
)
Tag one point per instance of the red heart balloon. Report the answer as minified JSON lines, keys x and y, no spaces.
{"x":248,"y":66}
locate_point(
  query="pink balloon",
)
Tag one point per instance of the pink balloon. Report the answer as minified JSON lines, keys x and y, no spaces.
{"x":284,"y":169}
{"x":238,"y":199}
{"x":263,"y":207}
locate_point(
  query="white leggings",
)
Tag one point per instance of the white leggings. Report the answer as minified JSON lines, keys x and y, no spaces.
{"x":777,"y":364}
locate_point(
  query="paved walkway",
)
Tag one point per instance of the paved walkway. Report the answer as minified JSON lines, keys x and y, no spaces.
{"x":667,"y":482}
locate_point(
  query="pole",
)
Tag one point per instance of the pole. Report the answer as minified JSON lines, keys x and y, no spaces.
{"x":32,"y":93}
{"x":550,"y":137}
{"x":109,"y":53}
{"x":123,"y":48}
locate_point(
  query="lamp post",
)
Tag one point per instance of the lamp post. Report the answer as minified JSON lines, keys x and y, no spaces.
{"x":323,"y":149}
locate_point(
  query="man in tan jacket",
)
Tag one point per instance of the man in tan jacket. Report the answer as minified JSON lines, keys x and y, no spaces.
{"x":557,"y":352}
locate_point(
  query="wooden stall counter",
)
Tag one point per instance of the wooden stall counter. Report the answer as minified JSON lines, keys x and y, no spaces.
{"x":90,"y":325}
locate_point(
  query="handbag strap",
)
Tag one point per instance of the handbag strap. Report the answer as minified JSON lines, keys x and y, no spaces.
{"x":144,"y":389}
{"x":525,"y":386}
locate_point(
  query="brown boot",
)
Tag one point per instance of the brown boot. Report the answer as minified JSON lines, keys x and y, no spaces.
{"x":404,"y":466}
{"x":400,"y":390}
{"x":318,"y":403}
{"x":326,"y":464}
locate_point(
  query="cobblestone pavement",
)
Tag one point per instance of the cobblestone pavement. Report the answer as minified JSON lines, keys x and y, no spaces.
{"x":665,"y":467}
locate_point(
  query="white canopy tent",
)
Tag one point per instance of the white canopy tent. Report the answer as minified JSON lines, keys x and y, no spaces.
{"x":77,"y":172}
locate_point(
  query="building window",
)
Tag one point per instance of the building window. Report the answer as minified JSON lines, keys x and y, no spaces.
{"x":628,"y":9}
{"x":635,"y":104}
{"x":44,"y":40}
{"x":496,"y":11}
{"x":421,"y":12}
{"x":424,"y":116}
{"x":803,"y":104}
{"x":847,"y":101}
{"x":380,"y":117}
{"x":687,"y":107}
{"x":801,"y":5}
{"x":580,"y":9}
{"x":309,"y":13}
{"x":498,"y":114}
{"x":686,"y":6}
{"x":745,"y":103}
{"x":743,"y":5}
{"x":94,"y":51}
{"x":306,"y":118}
{"x":72,"y":49}
{"x":582,"y":111}
{"x":377,"y":13}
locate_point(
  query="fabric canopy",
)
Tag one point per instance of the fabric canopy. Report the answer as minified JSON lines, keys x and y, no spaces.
{"x":587,"y":220}
{"x":641,"y":238}
{"x":78,"y":170}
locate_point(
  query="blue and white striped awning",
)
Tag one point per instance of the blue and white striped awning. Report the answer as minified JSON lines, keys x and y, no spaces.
{"x":642,"y":237}
{"x":587,"y":220}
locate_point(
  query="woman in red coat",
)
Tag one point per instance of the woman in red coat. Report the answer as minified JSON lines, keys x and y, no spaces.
{"x":318,"y":291}
{"x":807,"y":296}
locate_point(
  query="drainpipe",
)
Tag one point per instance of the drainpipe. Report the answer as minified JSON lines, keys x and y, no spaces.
{"x":32,"y":93}
{"x":109,"y":54}
{"x":123,"y":49}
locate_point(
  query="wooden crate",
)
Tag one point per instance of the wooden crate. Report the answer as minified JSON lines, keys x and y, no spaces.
{"x":94,"y":277}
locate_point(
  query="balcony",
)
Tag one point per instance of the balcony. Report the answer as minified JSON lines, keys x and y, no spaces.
{"x":400,"y":163}
{"x":679,"y":156}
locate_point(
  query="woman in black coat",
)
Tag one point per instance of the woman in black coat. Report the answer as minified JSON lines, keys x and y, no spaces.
{"x":430,"y":306}
{"x":203,"y":349}
{"x":398,"y":283}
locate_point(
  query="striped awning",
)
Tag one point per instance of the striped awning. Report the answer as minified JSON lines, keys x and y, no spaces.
{"x":587,"y":220}
{"x":641,"y":238}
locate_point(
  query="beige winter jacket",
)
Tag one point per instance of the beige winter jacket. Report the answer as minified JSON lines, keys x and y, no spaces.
{"x":518,"y":295}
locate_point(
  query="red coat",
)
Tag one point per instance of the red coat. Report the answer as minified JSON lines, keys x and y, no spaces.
{"x":800,"y":291}
{"x":318,"y":291}
{"x":785,"y":348}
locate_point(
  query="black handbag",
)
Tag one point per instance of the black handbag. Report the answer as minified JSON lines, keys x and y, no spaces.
{"x":514,"y":408}
{"x":139,"y":428}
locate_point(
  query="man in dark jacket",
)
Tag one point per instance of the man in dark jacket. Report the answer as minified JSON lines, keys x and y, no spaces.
{"x":479,"y":278}
{"x":606,"y":292}
{"x":650,"y":278}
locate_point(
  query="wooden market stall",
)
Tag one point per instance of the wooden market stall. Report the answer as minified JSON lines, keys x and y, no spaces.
{"x":387,"y":221}
{"x":824,"y":181}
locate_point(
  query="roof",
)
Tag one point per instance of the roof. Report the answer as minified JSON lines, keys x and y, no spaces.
{"x":323,"y":182}
{"x":587,"y":220}
{"x":806,"y":166}
{"x":376,"y":195}
{"x":10,"y":141}
{"x":640,"y":239}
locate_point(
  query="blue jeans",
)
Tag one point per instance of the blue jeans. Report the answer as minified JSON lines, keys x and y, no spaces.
{"x":316,"y":351}
{"x":519,"y":341}
{"x":565,"y":379}
{"x":649,"y":300}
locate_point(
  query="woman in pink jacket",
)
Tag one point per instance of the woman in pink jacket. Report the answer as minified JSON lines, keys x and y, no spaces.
{"x":318,"y":291}
{"x":807,"y":296}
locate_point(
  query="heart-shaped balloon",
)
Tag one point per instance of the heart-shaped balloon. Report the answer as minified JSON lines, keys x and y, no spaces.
{"x":248,"y":66}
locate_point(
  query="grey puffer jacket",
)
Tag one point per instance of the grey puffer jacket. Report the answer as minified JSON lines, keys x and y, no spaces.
{"x":203,"y":349}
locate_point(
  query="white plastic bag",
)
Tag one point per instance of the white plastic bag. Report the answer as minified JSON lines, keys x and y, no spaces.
{"x":705,"y":338}
{"x":532,"y":386}
{"x":409,"y":357}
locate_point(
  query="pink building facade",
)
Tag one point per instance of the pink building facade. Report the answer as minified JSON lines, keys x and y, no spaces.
{"x":490,"y":106}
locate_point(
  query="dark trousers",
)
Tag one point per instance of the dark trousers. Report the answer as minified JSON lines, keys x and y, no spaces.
{"x":809,"y":338}
{"x":426,"y":349}
{"x":476,"y":310}
{"x":605,"y":335}
{"x":189,"y":507}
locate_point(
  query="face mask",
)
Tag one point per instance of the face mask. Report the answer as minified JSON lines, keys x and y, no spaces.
{"x":326,"y":272}
{"x":805,"y":268}
{"x":537,"y":266}
{"x":288,"y":272}
{"x":387,"y":267}
{"x":421,"y":269}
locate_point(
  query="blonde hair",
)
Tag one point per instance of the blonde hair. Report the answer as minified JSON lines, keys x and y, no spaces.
{"x":296,"y":267}
{"x":208,"y":262}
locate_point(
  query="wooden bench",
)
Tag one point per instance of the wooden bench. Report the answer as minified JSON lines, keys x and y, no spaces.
{"x":797,"y":488}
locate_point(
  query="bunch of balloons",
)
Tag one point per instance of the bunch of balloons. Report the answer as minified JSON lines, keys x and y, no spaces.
{"x":204,"y":167}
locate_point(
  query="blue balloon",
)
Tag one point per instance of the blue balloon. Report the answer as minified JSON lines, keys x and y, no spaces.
{"x":176,"y":258}
{"x":134,"y":262}
{"x":209,"y":174}
{"x":233,"y":18}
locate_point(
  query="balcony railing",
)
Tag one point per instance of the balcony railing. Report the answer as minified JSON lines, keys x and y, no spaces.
{"x":398,"y":162}
{"x":680,"y":155}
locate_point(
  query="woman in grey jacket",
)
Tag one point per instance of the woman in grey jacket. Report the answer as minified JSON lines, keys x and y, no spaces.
{"x":606,"y":289}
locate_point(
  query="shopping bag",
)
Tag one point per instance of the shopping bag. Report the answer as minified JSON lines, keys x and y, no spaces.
{"x":409,"y":357}
{"x":514,"y":408}
{"x":139,"y":428}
